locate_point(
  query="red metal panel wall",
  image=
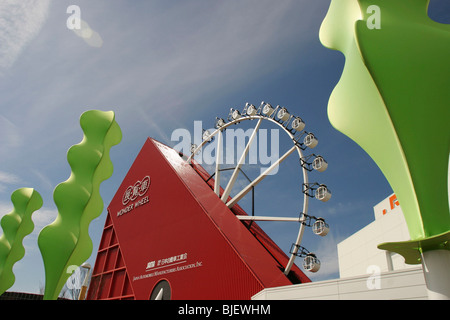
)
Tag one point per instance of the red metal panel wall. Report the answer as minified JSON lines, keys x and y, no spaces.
{"x":179,"y":231}
{"x":109,"y":277}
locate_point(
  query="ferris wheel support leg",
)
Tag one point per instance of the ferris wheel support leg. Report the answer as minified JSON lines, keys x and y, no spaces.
{"x":435,"y":265}
{"x":233,"y":178}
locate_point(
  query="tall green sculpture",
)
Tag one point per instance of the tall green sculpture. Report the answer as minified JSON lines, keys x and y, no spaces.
{"x":393,"y":99}
{"x":66,"y":241}
{"x":16,"y":225}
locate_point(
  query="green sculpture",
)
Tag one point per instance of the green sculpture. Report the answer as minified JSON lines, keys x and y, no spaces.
{"x":16,"y":225}
{"x":393,"y":99}
{"x":66,"y":242}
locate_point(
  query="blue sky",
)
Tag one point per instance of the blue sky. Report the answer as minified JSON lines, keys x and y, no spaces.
{"x":161,"y":65}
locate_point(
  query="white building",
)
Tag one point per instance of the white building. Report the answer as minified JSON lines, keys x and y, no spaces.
{"x":359,"y":255}
{"x":365,"y":271}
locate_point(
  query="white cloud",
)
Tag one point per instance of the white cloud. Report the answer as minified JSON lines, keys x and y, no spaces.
{"x":20,"y":21}
{"x":326,"y":251}
{"x":167,"y":58}
{"x":7,"y":179}
{"x":41,"y":218}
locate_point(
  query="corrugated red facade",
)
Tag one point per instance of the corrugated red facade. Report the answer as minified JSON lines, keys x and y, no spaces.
{"x":165,"y":225}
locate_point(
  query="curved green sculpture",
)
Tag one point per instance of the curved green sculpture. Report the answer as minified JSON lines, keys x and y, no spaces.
{"x":393,"y":99}
{"x":16,"y":225}
{"x":66,"y":241}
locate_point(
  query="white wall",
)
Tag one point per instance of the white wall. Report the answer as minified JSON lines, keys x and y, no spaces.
{"x":359,"y":252}
{"x":406,"y":284}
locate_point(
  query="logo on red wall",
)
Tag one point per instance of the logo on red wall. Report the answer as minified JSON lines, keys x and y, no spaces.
{"x":134,"y":196}
{"x":139,"y":189}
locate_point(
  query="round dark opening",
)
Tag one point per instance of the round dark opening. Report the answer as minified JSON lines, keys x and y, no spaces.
{"x":161,"y":291}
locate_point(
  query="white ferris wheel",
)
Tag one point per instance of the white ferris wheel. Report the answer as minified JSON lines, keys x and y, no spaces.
{"x":302,"y":142}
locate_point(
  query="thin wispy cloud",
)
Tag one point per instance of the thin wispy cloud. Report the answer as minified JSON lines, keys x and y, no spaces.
{"x":156,"y":65}
{"x":44,"y":181}
{"x":42,"y":218}
{"x":326,"y":250}
{"x":10,"y":136}
{"x":8,"y":180}
{"x":20,"y":22}
{"x":163,"y":58}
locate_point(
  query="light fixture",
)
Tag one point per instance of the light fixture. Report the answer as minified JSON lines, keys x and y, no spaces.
{"x":310,"y":141}
{"x":235,"y":114}
{"x":320,"y":227}
{"x":251,"y":110}
{"x":268,"y":110}
{"x":219,"y":123}
{"x":298,"y":124}
{"x":319,"y":164}
{"x":311,"y":263}
{"x":322,"y":193}
{"x":193,"y":148}
{"x":283,"y":114}
{"x":206,"y":136}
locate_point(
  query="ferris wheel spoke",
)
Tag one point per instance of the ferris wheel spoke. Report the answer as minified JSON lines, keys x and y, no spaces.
{"x":249,"y":187}
{"x":233,"y":178}
{"x":218,"y":157}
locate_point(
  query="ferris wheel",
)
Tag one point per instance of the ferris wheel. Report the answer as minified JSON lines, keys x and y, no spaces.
{"x":301,"y":141}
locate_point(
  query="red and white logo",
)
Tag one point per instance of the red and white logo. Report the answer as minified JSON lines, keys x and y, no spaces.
{"x":139,"y":189}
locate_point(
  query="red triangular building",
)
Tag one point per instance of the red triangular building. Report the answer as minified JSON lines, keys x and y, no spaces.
{"x":167,"y":229}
